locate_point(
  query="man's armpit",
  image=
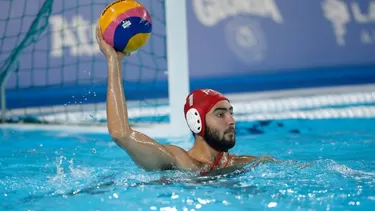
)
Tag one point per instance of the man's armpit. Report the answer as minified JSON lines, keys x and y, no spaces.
{"x":183,"y":160}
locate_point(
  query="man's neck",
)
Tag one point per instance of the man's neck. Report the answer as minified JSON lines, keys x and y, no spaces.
{"x":202,"y":151}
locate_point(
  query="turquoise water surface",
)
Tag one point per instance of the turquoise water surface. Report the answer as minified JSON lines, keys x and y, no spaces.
{"x":326,"y":165}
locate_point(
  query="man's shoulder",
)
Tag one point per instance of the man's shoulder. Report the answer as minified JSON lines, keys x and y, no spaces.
{"x":242,"y":159}
{"x":176,"y":150}
{"x":174,"y":147}
{"x":184,"y":159}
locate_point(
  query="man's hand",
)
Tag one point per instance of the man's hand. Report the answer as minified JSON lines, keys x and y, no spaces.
{"x":266,"y":159}
{"x":262,"y":160}
{"x":106,"y":49}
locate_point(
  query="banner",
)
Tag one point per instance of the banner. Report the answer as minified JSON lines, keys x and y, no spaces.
{"x":229,"y":37}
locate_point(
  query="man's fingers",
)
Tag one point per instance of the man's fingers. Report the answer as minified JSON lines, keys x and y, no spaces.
{"x":98,"y":33}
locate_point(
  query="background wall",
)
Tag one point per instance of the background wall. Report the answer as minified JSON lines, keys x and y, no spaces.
{"x":269,"y":44}
{"x":234,"y":46}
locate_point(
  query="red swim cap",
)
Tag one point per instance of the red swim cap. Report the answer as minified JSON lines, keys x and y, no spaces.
{"x":197,"y":105}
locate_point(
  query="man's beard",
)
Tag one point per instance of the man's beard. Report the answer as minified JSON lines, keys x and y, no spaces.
{"x":213,"y":139}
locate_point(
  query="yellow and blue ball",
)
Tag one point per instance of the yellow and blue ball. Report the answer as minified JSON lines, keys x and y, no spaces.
{"x":125,"y":25}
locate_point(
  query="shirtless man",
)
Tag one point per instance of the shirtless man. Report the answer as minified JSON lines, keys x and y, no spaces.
{"x":209,"y":116}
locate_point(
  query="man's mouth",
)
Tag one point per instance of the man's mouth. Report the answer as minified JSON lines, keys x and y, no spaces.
{"x":231,"y":130}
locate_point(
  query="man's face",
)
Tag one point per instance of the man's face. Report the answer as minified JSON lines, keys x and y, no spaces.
{"x":220,"y":126}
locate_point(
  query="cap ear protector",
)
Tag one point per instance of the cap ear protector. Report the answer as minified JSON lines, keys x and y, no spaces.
{"x":197,"y":105}
{"x":194,"y":121}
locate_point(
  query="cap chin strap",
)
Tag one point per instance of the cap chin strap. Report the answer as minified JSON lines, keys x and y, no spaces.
{"x":216,"y":164}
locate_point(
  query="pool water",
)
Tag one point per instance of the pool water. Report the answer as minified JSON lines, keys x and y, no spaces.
{"x":326,"y":165}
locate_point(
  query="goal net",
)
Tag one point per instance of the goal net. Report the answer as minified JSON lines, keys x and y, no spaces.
{"x":52,"y":71}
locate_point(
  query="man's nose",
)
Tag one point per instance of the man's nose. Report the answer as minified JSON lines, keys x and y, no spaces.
{"x":231,"y":119}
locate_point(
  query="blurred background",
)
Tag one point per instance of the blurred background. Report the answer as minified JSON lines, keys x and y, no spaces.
{"x":51,"y":64}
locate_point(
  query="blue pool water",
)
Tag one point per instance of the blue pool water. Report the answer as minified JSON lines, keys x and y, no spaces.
{"x":327,"y":165}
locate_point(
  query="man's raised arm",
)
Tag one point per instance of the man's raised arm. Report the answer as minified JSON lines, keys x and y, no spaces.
{"x":144,"y":151}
